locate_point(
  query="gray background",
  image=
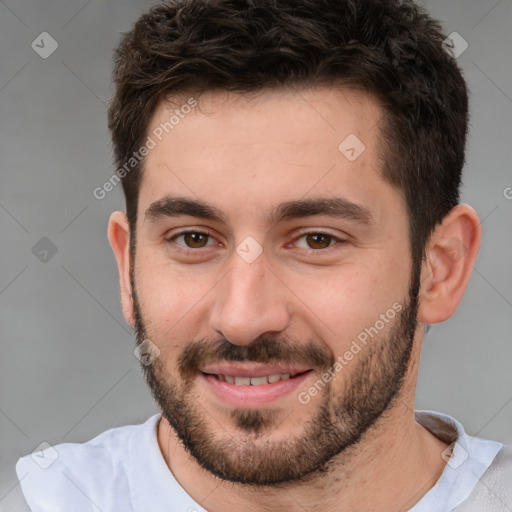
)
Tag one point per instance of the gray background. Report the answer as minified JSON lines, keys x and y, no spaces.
{"x":67,"y":369}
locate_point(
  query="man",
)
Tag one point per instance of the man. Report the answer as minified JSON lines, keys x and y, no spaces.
{"x":291,"y":172}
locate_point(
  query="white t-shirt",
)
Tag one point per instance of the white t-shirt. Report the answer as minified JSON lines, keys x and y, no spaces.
{"x":123,"y":470}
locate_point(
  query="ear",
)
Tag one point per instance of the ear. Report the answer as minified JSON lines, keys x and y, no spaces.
{"x":119,"y":238}
{"x":450,"y":257}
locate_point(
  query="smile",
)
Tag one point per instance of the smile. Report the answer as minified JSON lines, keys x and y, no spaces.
{"x":246,"y":386}
{"x":255,"y":381}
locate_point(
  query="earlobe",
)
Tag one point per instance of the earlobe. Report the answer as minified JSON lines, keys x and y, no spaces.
{"x":119,"y":238}
{"x":450,"y":257}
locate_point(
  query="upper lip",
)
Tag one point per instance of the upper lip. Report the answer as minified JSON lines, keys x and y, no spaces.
{"x":252,"y":369}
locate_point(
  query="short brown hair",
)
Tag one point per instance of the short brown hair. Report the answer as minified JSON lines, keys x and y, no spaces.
{"x":391,"y":48}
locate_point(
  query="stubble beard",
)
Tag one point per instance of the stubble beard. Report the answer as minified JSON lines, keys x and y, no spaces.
{"x":256,"y":456}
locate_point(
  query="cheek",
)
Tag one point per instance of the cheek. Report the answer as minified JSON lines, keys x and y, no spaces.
{"x":355,"y":299}
{"x":171,"y":297}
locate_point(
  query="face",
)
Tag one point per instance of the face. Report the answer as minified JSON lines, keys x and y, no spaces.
{"x":273,"y":272}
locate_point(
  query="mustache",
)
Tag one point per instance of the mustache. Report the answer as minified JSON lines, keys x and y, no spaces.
{"x":263,"y":350}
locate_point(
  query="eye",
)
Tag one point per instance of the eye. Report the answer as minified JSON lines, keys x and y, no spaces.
{"x":316,"y":241}
{"x":192,"y":239}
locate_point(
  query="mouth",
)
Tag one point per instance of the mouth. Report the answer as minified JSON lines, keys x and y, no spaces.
{"x":239,"y":380}
{"x":251,"y":386}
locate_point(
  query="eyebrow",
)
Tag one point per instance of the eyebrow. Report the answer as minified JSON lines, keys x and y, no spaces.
{"x":337,"y":207}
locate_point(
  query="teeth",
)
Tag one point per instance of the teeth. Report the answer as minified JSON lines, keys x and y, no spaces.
{"x":254,"y":381}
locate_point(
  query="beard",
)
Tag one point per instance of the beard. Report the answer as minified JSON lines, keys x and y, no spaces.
{"x":340,"y":420}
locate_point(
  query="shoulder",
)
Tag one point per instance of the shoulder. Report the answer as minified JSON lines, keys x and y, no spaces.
{"x":493,"y":492}
{"x":80,"y":474}
{"x":498,"y":476}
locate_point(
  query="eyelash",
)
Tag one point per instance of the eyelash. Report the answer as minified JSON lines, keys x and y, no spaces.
{"x":335,"y":239}
{"x":182,"y":233}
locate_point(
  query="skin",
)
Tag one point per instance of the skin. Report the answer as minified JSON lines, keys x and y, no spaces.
{"x":283,"y":146}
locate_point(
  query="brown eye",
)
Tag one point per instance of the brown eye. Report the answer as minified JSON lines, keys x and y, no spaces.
{"x":192,"y":239}
{"x":195,"y":240}
{"x":318,"y":240}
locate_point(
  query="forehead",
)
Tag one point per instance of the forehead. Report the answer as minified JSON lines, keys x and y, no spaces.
{"x":320,"y":115}
{"x":245,"y":152}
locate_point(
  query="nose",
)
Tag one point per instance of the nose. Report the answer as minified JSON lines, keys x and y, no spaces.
{"x":250,"y":301}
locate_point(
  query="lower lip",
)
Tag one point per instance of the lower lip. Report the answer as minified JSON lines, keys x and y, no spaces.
{"x":247,"y":396}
